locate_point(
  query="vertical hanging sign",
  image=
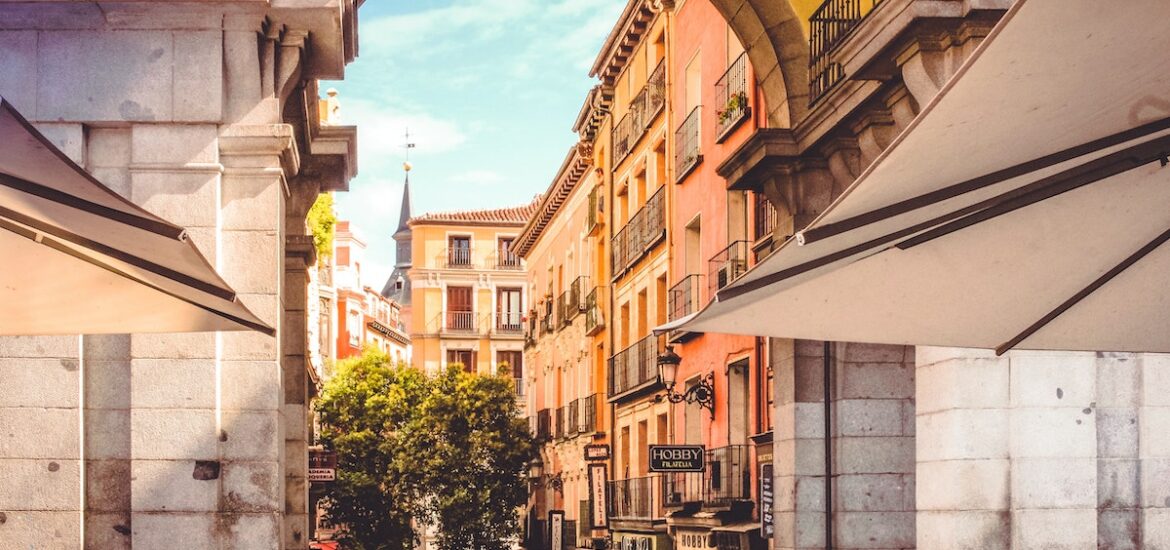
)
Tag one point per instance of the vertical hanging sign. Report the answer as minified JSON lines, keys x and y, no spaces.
{"x":556,"y":529}
{"x":598,"y":474}
{"x":767,"y":498}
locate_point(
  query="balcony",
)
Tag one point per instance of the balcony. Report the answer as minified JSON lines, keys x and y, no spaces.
{"x":509,"y":323}
{"x":506,"y":261}
{"x":547,"y":323}
{"x":588,"y":407}
{"x":456,"y":258}
{"x":644,"y":108}
{"x":460,"y":322}
{"x":688,"y":154}
{"x":645,"y":229}
{"x":570,"y":302}
{"x":594,"y":318}
{"x":543,"y":424}
{"x":732,"y":98}
{"x":633,"y":498}
{"x":727,"y":265}
{"x":726,"y":480}
{"x":684,"y":299}
{"x":559,"y":426}
{"x":763,"y":224}
{"x":530,"y":329}
{"x":573,"y":418}
{"x":593,"y":221}
{"x":828,"y":27}
{"x":635,"y":367}
{"x":728,"y":476}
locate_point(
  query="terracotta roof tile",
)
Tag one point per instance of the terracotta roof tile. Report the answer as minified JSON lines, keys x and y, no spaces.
{"x":511,"y":215}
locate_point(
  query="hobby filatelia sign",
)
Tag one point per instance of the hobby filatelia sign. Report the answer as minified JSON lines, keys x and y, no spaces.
{"x":676,"y":458}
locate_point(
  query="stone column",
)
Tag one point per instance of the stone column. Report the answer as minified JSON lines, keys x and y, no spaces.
{"x":872,"y":445}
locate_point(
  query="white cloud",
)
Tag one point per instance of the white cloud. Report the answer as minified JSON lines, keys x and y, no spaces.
{"x":382,"y":132}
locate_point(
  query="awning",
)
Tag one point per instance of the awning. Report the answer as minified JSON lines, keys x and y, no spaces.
{"x":1000,"y":217}
{"x":83,"y":260}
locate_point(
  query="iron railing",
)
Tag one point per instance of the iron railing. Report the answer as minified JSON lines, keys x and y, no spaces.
{"x":634,"y":366}
{"x":507,"y":261}
{"x":509,"y":322}
{"x":685,"y":297}
{"x":560,"y":423}
{"x":543,"y":424}
{"x":593,"y":219}
{"x":644,"y":108}
{"x":519,"y":383}
{"x":530,"y":328}
{"x":633,"y":498}
{"x":546,"y":321}
{"x":765,"y":217}
{"x":573,"y":418}
{"x":681,"y":488}
{"x":727,"y":265}
{"x":571,"y":300}
{"x":828,"y":27}
{"x":460,"y":321}
{"x":589,"y":406}
{"x":458,"y":258}
{"x":594,"y":318}
{"x":643,"y":231}
{"x":688,"y":153}
{"x":732,"y":97}
{"x":728,"y":476}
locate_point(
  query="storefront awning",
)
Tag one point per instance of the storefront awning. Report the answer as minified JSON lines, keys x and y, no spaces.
{"x":83,"y":260}
{"x":1024,"y":207}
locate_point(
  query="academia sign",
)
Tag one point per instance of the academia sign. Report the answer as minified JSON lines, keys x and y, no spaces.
{"x":676,"y":458}
{"x":322,"y":465}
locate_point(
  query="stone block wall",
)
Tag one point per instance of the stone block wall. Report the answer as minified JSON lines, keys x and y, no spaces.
{"x":167,"y":440}
{"x":871,"y":422}
{"x":1052,"y":450}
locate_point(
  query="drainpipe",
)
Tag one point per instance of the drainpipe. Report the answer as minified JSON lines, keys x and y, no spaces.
{"x":828,"y":364}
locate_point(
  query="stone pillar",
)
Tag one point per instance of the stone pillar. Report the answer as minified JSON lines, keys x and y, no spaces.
{"x":1042,"y":450}
{"x":872,"y":445}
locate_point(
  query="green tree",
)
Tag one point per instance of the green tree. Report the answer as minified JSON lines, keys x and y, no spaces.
{"x":479,"y":447}
{"x":363,"y":410}
{"x":322,"y":221}
{"x":450,"y":451}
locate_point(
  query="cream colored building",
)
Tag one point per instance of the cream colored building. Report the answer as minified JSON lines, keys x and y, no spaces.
{"x":468,"y":297}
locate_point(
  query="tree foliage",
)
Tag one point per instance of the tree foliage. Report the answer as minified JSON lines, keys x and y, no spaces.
{"x":322,"y":221}
{"x":450,"y":451}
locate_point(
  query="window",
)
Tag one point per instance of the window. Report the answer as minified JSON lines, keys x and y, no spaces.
{"x":464,"y":357}
{"x":514,"y":360}
{"x":506,"y":258}
{"x":354,"y":326}
{"x":508,"y":310}
{"x":459,"y":251}
{"x":460,"y":315}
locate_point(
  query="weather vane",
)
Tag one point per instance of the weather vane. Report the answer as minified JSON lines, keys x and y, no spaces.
{"x":408,"y":145}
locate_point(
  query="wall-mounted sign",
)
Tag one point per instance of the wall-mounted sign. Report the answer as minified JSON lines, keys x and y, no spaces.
{"x":598,"y":515}
{"x":676,"y":458}
{"x":322,"y":465}
{"x":597,"y":452}
{"x":556,"y":529}
{"x":767,"y":498}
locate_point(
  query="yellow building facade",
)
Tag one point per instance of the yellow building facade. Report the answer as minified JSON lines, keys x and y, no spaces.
{"x":468,"y":290}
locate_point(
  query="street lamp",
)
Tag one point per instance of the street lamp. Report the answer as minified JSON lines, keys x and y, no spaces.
{"x":701,"y":394}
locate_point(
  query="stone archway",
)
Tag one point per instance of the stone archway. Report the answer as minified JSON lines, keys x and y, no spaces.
{"x":775,"y":41}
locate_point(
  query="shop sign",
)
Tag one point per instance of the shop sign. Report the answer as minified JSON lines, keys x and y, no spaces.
{"x":767,"y":498}
{"x":322,"y":465}
{"x":556,"y":529}
{"x":598,"y":515}
{"x":597,"y":452}
{"x":676,"y":458}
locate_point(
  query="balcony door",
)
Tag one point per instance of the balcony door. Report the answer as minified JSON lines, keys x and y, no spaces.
{"x":460,"y":314}
{"x":459,"y":250}
{"x":509,"y":309}
{"x":507,"y":258}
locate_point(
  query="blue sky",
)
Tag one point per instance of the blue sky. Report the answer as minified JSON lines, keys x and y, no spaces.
{"x":489,"y":90}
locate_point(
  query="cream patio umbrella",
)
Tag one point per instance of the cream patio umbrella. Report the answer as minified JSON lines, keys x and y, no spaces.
{"x":83,"y":260}
{"x":1027,"y":206}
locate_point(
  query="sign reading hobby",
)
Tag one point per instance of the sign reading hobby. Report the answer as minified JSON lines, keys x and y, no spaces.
{"x":677,"y":458}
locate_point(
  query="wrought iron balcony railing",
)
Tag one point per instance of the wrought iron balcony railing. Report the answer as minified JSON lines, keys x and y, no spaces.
{"x":588,"y":408}
{"x":460,"y":321}
{"x":559,"y":425}
{"x":682,"y":488}
{"x":633,"y":498}
{"x":644,"y":108}
{"x":543,"y":424}
{"x":634,"y":366}
{"x":727,"y":265}
{"x":685,"y":297}
{"x":731,"y":91}
{"x":636,"y":238}
{"x":622,"y":138}
{"x":506,"y":261}
{"x":593,"y":220}
{"x":546,"y":320}
{"x":571,"y":304}
{"x":458,"y":258}
{"x":594,"y":317}
{"x":573,"y":418}
{"x":688,"y":153}
{"x":728,"y":477}
{"x":508,"y":322}
{"x":828,"y":27}
{"x":765,"y":218}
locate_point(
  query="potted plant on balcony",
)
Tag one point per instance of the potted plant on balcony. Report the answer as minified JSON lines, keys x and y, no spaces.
{"x":736,"y":105}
